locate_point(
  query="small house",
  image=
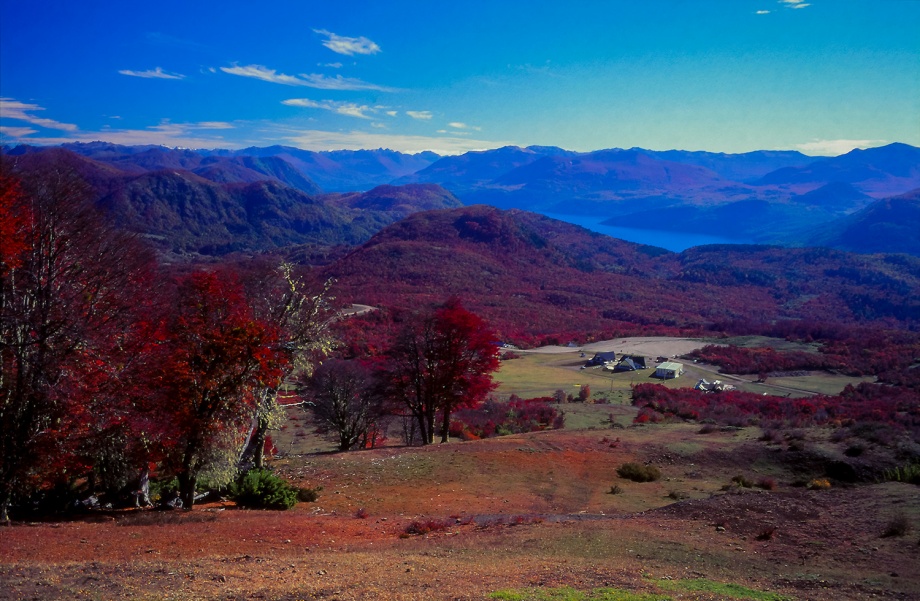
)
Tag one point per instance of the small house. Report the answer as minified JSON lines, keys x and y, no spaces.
{"x":669,"y":370}
{"x":601,"y":359}
{"x":630,"y":363}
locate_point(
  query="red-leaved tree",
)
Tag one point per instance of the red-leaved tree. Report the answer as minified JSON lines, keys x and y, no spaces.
{"x":69,"y":288}
{"x":440,"y":362}
{"x":219,"y":356}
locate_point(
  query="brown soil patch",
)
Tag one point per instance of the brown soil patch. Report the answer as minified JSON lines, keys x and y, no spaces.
{"x":526,"y":511}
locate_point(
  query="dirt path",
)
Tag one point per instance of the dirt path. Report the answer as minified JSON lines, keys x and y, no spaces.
{"x":649,"y":346}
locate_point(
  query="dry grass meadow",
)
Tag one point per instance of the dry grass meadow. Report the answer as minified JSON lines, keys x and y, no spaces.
{"x":533,"y":516}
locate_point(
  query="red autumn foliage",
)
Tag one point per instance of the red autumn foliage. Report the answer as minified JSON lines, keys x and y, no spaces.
{"x":898,"y":408}
{"x":740,"y":360}
{"x":220,"y":355}
{"x":441,"y":362}
{"x":517,"y":415}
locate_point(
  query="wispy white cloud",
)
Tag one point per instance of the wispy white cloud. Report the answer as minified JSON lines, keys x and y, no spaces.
{"x":19,"y":111}
{"x":379,"y":125}
{"x":836,"y":147}
{"x":328,"y":140}
{"x":212,"y":125}
{"x":423,"y":115}
{"x":349,"y":109}
{"x":172,"y":135}
{"x":794,"y":3}
{"x":460,"y":125}
{"x":324,"y":82}
{"x":263,"y":73}
{"x":762,"y":12}
{"x":16,"y":132}
{"x":392,"y":113}
{"x":157,"y":73}
{"x":311,"y":80}
{"x":348,"y":46}
{"x":330,"y":65}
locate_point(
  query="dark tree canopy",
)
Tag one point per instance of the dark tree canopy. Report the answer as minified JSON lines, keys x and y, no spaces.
{"x":345,"y":400}
{"x":70,"y":286}
{"x":440,"y":362}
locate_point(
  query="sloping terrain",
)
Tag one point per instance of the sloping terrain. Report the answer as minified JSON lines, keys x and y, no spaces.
{"x":890,"y":225}
{"x":518,"y":268}
{"x":527,"y":513}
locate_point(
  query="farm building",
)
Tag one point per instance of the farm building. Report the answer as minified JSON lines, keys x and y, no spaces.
{"x":630,"y":363}
{"x":601,"y":359}
{"x":669,"y":370}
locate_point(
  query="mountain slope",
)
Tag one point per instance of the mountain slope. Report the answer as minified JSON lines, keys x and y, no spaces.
{"x":878,"y":172}
{"x":346,"y":170}
{"x":891,"y":225}
{"x":402,"y":200}
{"x":517,"y":267}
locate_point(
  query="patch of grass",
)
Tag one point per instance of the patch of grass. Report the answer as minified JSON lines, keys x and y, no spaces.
{"x":722,"y":589}
{"x":743,"y":482}
{"x":566,"y":593}
{"x":308,"y":495}
{"x":910,"y":474}
{"x":766,"y":484}
{"x":898,"y":525}
{"x":419,"y":527}
{"x":638,"y":472}
{"x":818,"y":484}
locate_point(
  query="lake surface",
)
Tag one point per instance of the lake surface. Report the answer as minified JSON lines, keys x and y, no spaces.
{"x":673,"y":241}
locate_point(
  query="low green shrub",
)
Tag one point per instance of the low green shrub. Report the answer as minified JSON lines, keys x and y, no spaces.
{"x":261,"y":489}
{"x":308,"y":495}
{"x":638,"y":472}
{"x":743,"y":482}
{"x":909,"y":474}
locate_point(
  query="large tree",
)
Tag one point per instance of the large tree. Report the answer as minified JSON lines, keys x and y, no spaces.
{"x":69,"y":285}
{"x":300,"y":311}
{"x":220,"y":356}
{"x":441,"y":361}
{"x":345,"y":400}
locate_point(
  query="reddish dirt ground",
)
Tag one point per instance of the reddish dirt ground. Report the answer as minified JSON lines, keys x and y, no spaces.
{"x":542,"y":517}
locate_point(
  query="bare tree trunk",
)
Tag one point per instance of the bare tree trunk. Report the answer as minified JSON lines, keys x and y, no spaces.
{"x":187,"y":483}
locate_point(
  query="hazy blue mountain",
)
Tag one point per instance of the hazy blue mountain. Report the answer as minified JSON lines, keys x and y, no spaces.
{"x":247,"y":169}
{"x":467,"y":171}
{"x":878,"y":172}
{"x":838,"y":197}
{"x":743,"y":167}
{"x":403,"y":200}
{"x":347,"y":170}
{"x":890,"y":225}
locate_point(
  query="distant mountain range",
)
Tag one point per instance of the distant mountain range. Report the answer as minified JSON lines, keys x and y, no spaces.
{"x":185,"y":203}
{"x":777,"y":197}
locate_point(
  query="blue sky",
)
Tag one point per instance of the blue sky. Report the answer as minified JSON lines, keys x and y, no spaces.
{"x":820,"y":76}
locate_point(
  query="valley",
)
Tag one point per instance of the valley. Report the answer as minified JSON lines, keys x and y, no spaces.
{"x":794,"y":482}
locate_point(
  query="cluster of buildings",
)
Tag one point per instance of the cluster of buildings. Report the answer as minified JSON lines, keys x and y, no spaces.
{"x":666,"y":369}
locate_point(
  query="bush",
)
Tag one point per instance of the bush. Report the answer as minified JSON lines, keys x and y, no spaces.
{"x":261,"y":489}
{"x":897,"y":526}
{"x":819,"y":484}
{"x":909,"y":474}
{"x":766,"y":484}
{"x":308,"y":495}
{"x":638,"y":472}
{"x":425,"y":526}
{"x":743,"y":482}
